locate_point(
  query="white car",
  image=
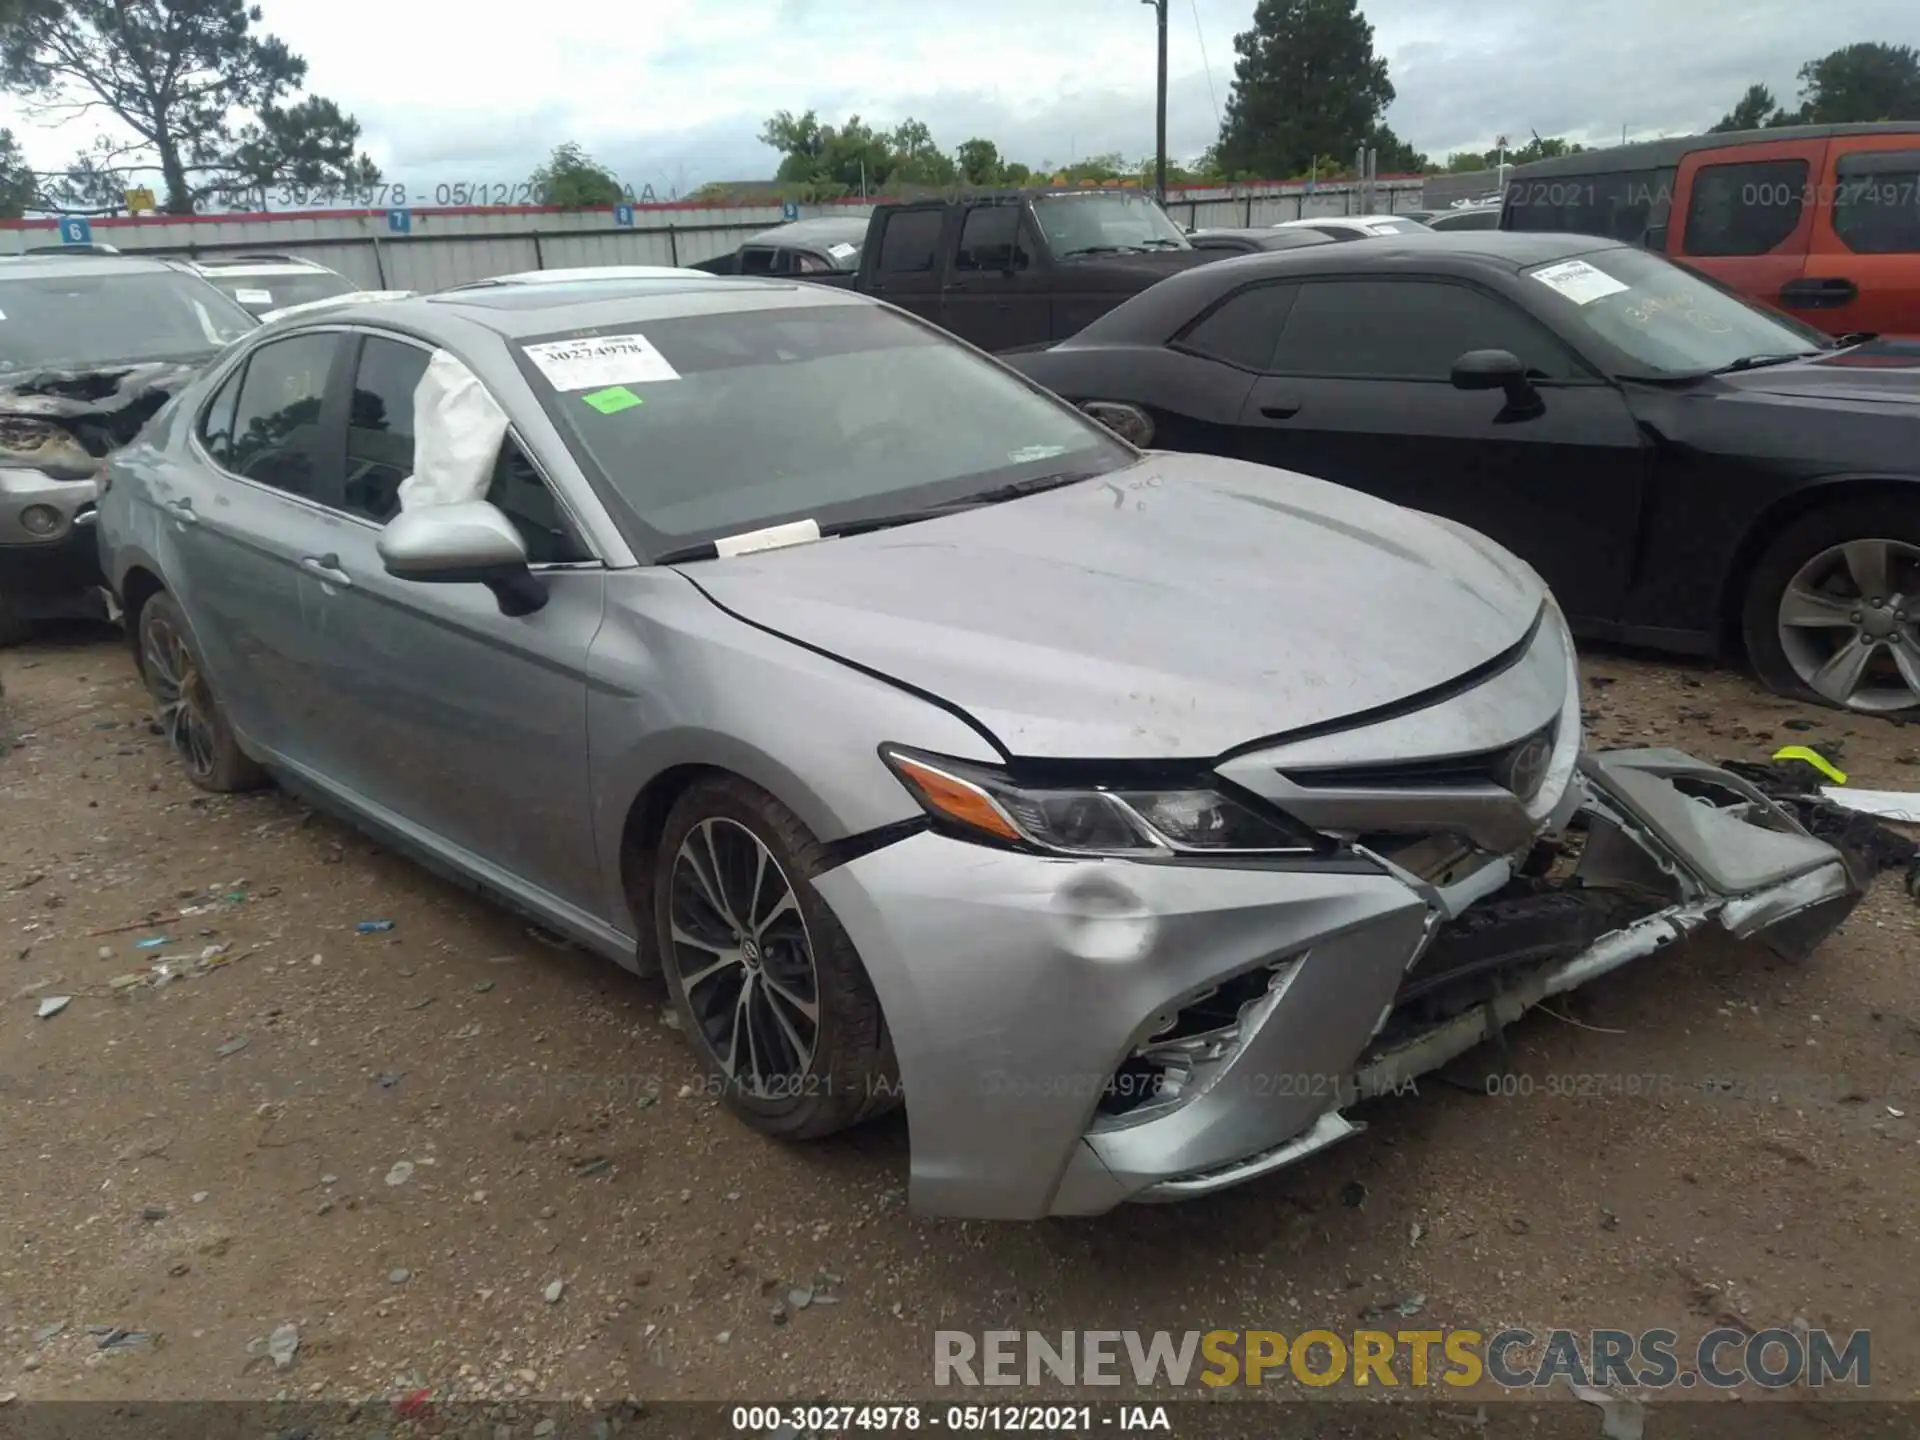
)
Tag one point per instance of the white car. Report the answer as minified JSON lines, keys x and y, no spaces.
{"x":351,"y":297}
{"x":1355,"y":227}
{"x":265,"y":283}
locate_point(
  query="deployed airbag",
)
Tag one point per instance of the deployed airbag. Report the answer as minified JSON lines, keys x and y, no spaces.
{"x":457,"y":430}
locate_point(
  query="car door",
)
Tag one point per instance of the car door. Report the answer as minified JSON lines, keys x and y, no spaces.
{"x":440,"y":711}
{"x":908,"y":263}
{"x":1863,"y":268}
{"x":240,"y":516}
{"x":1359,"y":391}
{"x":997,"y":295}
{"x":1744,"y":215}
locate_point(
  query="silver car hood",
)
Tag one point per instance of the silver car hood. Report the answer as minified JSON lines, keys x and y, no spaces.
{"x":1172,"y":610}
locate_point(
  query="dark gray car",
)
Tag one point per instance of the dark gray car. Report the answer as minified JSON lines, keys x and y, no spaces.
{"x":1126,"y":816}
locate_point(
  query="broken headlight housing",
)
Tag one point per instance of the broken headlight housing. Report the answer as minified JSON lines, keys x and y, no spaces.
{"x":1128,"y":819}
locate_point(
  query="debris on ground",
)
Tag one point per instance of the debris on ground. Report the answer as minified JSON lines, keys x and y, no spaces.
{"x":52,"y":1006}
{"x":118,"y":1337}
{"x":1620,"y":1419}
{"x":232,"y":1047}
{"x":401,"y":1172}
{"x":282,"y":1345}
{"x":555,"y":1289}
{"x":374,"y":927}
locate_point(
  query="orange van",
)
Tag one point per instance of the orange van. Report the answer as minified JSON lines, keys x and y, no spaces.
{"x":1821,"y":221}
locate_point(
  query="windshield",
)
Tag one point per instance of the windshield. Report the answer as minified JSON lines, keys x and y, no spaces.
{"x":713,"y":425}
{"x":261,"y":293}
{"x":1666,"y":319}
{"x":1092,"y":221}
{"x":82,"y":321}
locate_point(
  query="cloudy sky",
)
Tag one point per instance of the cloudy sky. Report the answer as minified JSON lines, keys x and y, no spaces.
{"x":673,"y":92}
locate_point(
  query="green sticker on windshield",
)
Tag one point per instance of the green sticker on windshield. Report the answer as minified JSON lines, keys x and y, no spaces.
{"x":613,"y":400}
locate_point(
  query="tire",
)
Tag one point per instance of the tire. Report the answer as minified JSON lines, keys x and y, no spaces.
{"x":1814,"y":659}
{"x":811,"y":1080}
{"x":184,"y":705}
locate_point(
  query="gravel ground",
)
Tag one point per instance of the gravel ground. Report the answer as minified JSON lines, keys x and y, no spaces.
{"x":450,"y":1155}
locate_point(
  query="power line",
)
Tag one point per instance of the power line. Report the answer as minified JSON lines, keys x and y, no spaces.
{"x":1205,"y":64}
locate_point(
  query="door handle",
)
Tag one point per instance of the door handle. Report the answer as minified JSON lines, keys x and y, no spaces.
{"x":327,"y":567}
{"x":1281,"y":409}
{"x":1819,"y":292}
{"x":183,"y":511}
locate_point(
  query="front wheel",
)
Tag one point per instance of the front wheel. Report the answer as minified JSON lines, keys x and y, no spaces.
{"x":184,"y":705}
{"x":1832,"y":611}
{"x":765,"y":981}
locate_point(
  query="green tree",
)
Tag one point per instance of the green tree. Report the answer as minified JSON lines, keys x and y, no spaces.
{"x":18,"y":187}
{"x":1755,"y":109}
{"x":206,"y":100}
{"x":575,"y":180}
{"x":1860,"y":83}
{"x":916,"y":160}
{"x":1306,"y":83}
{"x":979,"y":162}
{"x":1462,"y":162}
{"x":1392,"y":155}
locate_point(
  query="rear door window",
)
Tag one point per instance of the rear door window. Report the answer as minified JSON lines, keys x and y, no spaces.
{"x":911,"y":241}
{"x":1749,"y":208}
{"x":1621,"y":205}
{"x":757,"y":260}
{"x":277,"y":437}
{"x":1876,"y":207}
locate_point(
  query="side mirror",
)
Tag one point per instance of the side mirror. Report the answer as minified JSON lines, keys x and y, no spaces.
{"x":1129,"y":422}
{"x":470,"y":543}
{"x":1496,"y":370}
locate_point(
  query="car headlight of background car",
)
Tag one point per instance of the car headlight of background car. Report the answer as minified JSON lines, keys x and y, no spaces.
{"x":1129,"y":818}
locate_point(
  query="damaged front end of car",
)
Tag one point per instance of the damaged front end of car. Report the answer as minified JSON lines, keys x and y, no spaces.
{"x":56,"y":430}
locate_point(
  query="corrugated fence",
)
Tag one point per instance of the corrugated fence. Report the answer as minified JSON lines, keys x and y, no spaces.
{"x":442,"y":247}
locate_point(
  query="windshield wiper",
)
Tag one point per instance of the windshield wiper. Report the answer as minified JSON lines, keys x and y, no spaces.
{"x":1754,"y":362}
{"x":1164,"y":244}
{"x":1100,"y":250}
{"x":866,"y":524}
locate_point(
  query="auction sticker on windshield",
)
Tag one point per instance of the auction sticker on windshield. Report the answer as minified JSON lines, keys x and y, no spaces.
{"x":600,"y":362}
{"x":1578,"y":281}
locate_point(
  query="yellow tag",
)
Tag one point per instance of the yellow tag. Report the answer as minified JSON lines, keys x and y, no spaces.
{"x":1813,"y":758}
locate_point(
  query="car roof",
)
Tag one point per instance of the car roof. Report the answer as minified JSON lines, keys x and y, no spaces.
{"x":1659,"y":154}
{"x":1155,"y":313}
{"x":568,"y":275}
{"x":60,"y":267}
{"x":517,"y":311}
{"x":1263,"y":235}
{"x":1340,"y":220}
{"x":820,"y":230}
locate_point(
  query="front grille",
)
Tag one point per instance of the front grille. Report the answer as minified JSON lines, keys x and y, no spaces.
{"x":1486,"y":767}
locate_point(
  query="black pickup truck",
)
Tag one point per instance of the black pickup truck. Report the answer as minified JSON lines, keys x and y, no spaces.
{"x":1015,"y":270}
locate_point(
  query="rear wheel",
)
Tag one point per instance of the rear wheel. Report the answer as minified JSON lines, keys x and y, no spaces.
{"x":1832,"y":612}
{"x":766,"y":983}
{"x":184,"y":705}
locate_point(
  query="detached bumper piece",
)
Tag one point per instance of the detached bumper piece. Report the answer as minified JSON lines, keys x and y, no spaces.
{"x":1663,"y":846}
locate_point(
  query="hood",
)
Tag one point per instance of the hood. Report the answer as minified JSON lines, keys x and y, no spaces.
{"x":1133,"y":272}
{"x":1172,"y":610}
{"x":1882,"y":371}
{"x":63,"y":422}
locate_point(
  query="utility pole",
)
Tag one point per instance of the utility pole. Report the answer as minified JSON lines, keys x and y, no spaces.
{"x":1160,"y":107}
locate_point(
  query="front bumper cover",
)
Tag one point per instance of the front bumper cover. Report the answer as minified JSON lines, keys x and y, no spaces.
{"x":1017,"y":987}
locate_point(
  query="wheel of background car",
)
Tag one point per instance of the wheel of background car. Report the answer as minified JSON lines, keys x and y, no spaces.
{"x":767,"y":984}
{"x":184,"y":706}
{"x":1832,"y":612}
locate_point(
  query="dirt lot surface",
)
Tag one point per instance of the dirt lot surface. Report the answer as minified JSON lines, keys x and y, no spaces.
{"x":452,"y":1156}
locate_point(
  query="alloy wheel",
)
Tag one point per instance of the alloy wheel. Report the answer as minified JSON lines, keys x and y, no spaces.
{"x":744,"y":958}
{"x":184,"y":704}
{"x":1849,"y":625}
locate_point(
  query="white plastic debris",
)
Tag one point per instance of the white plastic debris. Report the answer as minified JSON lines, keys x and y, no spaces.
{"x":1620,"y":1419}
{"x":1901,"y":805}
{"x":53,"y":1005}
{"x":458,"y":428}
{"x":401,"y":1172}
{"x":282,"y":1344}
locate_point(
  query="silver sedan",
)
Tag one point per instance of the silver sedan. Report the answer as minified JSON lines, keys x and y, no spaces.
{"x":1127,"y":816}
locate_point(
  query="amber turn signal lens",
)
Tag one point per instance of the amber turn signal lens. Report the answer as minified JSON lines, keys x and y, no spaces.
{"x":956,"y":799}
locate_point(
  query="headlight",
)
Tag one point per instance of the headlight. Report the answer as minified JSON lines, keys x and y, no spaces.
{"x":1124,"y":819}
